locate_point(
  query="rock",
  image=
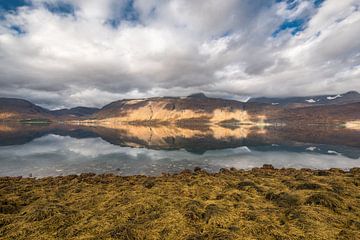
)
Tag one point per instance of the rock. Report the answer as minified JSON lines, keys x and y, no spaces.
{"x":149,"y":183}
{"x":268,"y":166}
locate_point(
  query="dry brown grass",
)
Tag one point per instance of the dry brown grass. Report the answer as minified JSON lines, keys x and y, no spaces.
{"x":259,"y":204}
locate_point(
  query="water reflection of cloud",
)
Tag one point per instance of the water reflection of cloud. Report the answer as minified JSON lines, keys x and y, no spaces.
{"x":289,"y":160}
{"x":55,"y":155}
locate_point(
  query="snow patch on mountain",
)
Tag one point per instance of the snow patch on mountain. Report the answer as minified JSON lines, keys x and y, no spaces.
{"x":334,"y":97}
{"x":311,"y":149}
{"x":333,"y":152}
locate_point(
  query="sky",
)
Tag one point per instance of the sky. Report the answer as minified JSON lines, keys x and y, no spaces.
{"x":65,"y":53}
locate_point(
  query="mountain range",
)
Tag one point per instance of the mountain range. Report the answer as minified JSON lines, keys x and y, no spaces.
{"x":339,"y":99}
{"x":196,"y":109}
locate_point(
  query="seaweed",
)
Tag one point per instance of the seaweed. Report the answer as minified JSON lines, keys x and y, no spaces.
{"x":263,"y":203}
{"x":283,"y":199}
{"x":328,"y":200}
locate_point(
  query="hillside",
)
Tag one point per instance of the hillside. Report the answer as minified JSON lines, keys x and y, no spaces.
{"x":19,"y":109}
{"x":338,"y":99}
{"x":13,"y":108}
{"x":195,"y":108}
{"x":328,"y":114}
{"x":75,"y":112}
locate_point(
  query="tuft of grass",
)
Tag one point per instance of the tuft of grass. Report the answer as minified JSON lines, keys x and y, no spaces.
{"x":43,"y":211}
{"x":193,"y":210}
{"x":308,"y":186}
{"x":283,"y":199}
{"x":123,"y":232}
{"x":214,"y":234}
{"x":326,"y":199}
{"x":8,"y":207}
{"x":211,"y":211}
{"x":248,"y":185}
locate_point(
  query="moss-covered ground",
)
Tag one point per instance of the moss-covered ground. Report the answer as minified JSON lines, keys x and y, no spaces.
{"x":263,"y":203}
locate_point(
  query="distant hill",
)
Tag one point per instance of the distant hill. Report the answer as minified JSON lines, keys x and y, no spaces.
{"x":76,"y":112}
{"x":198,"y":95}
{"x":349,"y":97}
{"x":320,"y":114}
{"x":19,"y":109}
{"x":13,"y":108}
{"x":15,"y":104}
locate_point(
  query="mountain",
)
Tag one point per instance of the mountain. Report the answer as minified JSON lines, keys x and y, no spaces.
{"x":346,"y":98}
{"x":181,"y":110}
{"x":13,"y":108}
{"x":19,"y":109}
{"x":198,"y":95}
{"x":75,"y":112}
{"x":318,"y":114}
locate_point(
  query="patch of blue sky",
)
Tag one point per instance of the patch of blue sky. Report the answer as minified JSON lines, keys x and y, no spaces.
{"x":130,"y":13}
{"x":7,"y":6}
{"x":60,"y":8}
{"x":318,"y":3}
{"x":10,"y":5}
{"x":221,"y":35}
{"x":17,"y":30}
{"x":127,"y":13}
{"x":295,"y":26}
{"x":226,"y":33}
{"x":291,"y":4}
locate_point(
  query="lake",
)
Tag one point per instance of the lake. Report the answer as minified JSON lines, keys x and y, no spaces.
{"x":53,"y":150}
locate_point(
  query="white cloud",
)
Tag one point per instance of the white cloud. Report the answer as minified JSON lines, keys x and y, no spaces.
{"x":224,"y":48}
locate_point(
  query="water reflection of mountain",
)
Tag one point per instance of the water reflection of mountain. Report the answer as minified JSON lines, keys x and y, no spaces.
{"x":198,"y":139}
{"x":17,"y":134}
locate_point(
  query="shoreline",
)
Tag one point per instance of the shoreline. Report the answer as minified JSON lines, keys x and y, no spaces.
{"x":193,"y":171}
{"x":261,"y":203}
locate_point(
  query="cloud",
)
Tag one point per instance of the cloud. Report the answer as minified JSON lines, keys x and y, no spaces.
{"x":89,"y":52}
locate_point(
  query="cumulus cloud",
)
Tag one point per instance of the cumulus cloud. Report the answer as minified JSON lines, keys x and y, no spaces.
{"x":88,"y":52}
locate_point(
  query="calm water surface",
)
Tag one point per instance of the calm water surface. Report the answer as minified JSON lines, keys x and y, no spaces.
{"x":128,"y":150}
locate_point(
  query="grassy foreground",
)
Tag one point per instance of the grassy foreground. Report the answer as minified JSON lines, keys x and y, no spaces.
{"x":259,"y":204}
